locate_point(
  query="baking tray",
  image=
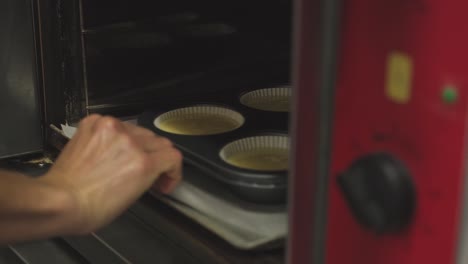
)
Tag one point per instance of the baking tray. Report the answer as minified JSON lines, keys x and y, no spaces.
{"x":204,"y":151}
{"x":244,"y":225}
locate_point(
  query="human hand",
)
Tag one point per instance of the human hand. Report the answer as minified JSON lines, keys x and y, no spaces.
{"x":108,"y":165}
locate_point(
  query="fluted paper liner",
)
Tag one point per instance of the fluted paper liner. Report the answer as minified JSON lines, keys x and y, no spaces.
{"x":269,"y":99}
{"x":260,"y":153}
{"x":199,"y":120}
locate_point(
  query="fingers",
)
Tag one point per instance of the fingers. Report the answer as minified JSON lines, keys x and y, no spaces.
{"x":167,"y":169}
{"x":96,"y":123}
{"x":138,"y":131}
{"x":167,"y":182}
{"x":166,"y":162}
{"x":165,"y":159}
{"x":87,"y":125}
{"x":86,"y":131}
{"x":89,"y":121}
{"x":162,"y":162}
{"x":154,"y":143}
{"x":149,"y":141}
{"x":110,"y":129}
{"x":104,"y":127}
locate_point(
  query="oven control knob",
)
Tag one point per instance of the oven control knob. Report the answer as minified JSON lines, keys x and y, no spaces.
{"x":380,"y":192}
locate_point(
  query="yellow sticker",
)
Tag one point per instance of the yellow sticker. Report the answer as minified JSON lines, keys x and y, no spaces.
{"x":399,"y":77}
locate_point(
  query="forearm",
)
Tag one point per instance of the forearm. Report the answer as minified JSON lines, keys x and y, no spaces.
{"x":31,"y":209}
{"x":104,"y":169}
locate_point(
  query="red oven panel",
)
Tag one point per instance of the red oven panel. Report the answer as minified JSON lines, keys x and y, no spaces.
{"x":402,"y":79}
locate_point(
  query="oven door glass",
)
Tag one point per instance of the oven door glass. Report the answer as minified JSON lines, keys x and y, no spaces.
{"x":19,"y":110}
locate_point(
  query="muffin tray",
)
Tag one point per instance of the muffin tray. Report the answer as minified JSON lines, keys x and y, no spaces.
{"x":244,"y":148}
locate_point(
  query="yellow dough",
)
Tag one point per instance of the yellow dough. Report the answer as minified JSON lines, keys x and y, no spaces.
{"x":261,"y":159}
{"x":199,"y":125}
{"x":275,"y":104}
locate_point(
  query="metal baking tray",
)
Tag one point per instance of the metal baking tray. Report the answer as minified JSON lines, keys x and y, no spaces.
{"x":204,"y":151}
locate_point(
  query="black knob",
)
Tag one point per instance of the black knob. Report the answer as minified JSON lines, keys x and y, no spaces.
{"x":380,"y":192}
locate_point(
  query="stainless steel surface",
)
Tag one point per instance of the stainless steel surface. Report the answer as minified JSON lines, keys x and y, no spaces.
{"x":129,"y":240}
{"x":20,"y":131}
{"x":9,"y":256}
{"x":329,"y":42}
{"x":315,"y":51}
{"x":49,"y":251}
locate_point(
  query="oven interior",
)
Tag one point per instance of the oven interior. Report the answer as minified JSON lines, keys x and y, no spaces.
{"x":123,"y":58}
{"x":144,"y":53}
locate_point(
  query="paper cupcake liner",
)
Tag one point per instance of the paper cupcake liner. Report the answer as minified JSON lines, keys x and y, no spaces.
{"x":269,"y":99}
{"x":199,"y":120}
{"x":260,"y":153}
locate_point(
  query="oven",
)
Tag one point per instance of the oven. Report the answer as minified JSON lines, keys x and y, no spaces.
{"x":20,"y":110}
{"x":398,"y":172}
{"x":119,"y":58}
{"x":370,"y":108}
{"x":185,"y":70}
{"x":140,"y":61}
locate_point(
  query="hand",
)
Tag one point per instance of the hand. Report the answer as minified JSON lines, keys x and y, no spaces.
{"x":108,"y":165}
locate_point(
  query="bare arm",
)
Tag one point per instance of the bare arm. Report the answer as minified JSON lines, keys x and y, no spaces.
{"x":31,"y":209}
{"x":104,"y":169}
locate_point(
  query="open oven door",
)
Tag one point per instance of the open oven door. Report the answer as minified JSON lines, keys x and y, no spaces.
{"x":20,"y":131}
